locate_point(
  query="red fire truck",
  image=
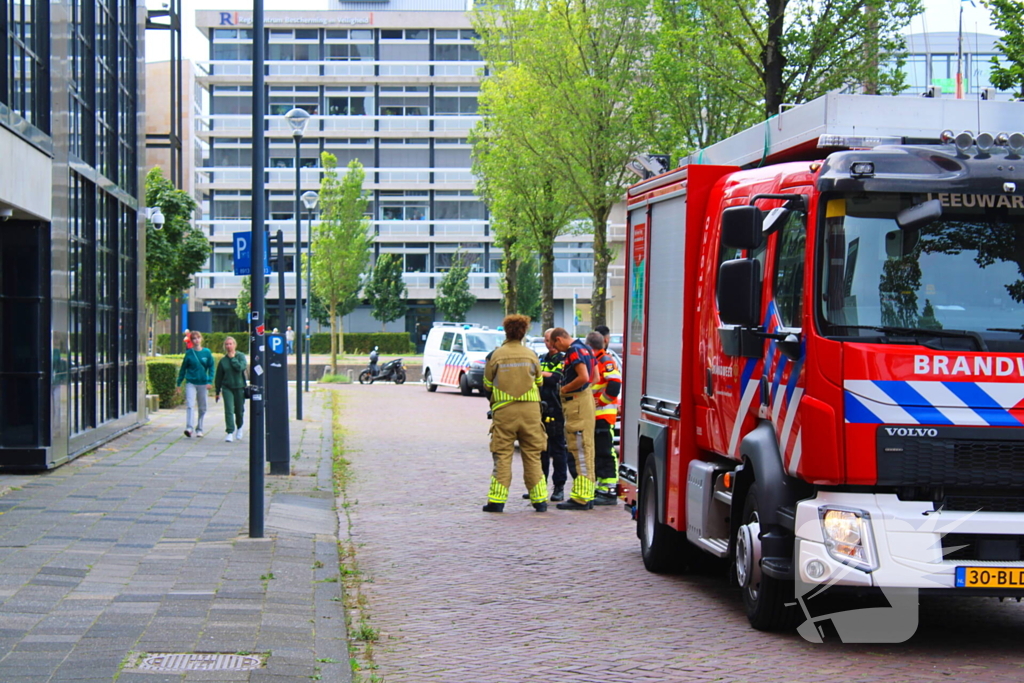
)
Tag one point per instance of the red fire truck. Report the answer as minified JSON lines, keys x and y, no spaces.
{"x":824,"y":353}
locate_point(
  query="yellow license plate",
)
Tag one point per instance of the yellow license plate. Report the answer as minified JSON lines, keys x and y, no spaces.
{"x":990,"y":577}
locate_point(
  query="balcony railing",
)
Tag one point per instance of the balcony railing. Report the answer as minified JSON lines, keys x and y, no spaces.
{"x":478,"y":281}
{"x":224,"y":67}
{"x":241,"y":125}
{"x":386,"y":229}
{"x":210,"y":176}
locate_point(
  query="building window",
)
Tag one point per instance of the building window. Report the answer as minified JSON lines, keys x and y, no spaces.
{"x":26,"y":79}
{"x":456,"y":100}
{"x":283,"y":99}
{"x":411,"y":100}
{"x":351,"y":101}
{"x":403,"y":206}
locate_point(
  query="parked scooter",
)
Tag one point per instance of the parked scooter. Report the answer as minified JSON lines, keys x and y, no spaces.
{"x":392,"y":371}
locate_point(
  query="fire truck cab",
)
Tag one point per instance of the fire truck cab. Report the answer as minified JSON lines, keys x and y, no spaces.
{"x":824,"y":353}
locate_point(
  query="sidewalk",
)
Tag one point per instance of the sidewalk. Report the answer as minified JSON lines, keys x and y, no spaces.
{"x":142,"y":547}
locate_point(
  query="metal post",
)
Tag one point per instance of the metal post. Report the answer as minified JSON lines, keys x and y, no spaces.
{"x":298,"y":281}
{"x":309,"y":286}
{"x":282,"y":308}
{"x":257,"y":277}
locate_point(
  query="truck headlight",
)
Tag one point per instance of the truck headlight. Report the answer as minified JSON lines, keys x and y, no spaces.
{"x":848,"y":537}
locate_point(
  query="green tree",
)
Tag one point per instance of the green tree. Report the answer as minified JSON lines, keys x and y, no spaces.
{"x":386,"y":290}
{"x":701,"y":90}
{"x":801,"y":49}
{"x":1008,"y":18}
{"x":341,"y":244}
{"x":176,"y":250}
{"x":453,"y":296}
{"x":573,"y":68}
{"x":529,"y":302}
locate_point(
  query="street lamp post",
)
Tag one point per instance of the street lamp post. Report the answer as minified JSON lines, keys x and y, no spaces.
{"x":297,"y":119}
{"x":310,"y":199}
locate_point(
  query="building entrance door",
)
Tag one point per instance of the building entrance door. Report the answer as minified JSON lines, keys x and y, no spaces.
{"x":418,"y":321}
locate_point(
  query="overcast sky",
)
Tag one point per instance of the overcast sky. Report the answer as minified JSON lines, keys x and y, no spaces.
{"x":939,"y":15}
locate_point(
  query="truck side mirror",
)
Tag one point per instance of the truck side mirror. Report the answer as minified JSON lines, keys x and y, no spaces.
{"x":742,"y":227}
{"x":739,"y":292}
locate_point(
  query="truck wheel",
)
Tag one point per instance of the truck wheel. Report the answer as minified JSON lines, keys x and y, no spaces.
{"x":400,"y":377}
{"x":656,"y":539}
{"x":365,"y":377}
{"x":428,"y":380}
{"x":764,"y":597}
{"x":464,"y":385}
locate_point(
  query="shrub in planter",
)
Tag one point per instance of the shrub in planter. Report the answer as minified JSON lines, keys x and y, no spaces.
{"x":161,"y":376}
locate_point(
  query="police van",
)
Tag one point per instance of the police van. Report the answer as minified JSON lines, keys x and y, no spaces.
{"x":455,"y":355}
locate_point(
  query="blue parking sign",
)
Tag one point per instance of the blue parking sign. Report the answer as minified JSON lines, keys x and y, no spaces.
{"x":276,"y":343}
{"x":241,"y":242}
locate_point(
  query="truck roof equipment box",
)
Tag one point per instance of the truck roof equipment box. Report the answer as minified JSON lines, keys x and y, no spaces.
{"x":794,"y":134}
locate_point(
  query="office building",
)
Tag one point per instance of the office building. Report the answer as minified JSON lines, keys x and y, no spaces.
{"x":71,"y":238}
{"x":393,"y":84}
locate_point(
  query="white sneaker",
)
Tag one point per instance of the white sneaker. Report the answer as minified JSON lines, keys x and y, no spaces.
{"x":238,"y":434}
{"x":199,"y":433}
{"x":230,"y":437}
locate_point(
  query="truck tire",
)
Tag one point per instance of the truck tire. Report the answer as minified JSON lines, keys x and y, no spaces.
{"x":400,"y":377}
{"x":656,"y":539}
{"x":427,"y":380}
{"x":765,"y":598}
{"x":365,"y":377}
{"x":464,"y":385}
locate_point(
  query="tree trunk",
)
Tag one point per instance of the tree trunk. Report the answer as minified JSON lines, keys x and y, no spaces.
{"x":774,"y":61}
{"x":870,"y":84}
{"x":547,"y":288}
{"x":334,"y":338}
{"x":511,"y":265}
{"x":602,"y":257}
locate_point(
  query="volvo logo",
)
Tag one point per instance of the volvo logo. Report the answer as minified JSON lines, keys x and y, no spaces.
{"x":911,"y":431}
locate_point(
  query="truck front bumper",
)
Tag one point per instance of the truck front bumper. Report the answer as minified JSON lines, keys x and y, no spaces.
{"x":905,"y":539}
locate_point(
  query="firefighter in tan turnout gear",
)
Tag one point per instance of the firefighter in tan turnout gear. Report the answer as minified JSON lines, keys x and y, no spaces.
{"x":513,"y":379}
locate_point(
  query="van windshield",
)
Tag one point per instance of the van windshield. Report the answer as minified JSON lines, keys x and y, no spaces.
{"x":483,"y":341}
{"x":962,"y":273}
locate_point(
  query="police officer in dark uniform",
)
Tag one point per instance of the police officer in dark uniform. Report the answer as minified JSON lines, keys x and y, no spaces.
{"x":555,"y":456}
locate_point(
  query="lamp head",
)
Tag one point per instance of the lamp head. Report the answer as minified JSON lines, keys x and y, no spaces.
{"x":297,"y":119}
{"x":310,"y":199}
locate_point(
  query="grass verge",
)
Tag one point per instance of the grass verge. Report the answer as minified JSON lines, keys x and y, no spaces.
{"x":362,"y":636}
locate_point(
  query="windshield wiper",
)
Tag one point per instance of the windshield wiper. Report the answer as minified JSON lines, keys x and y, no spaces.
{"x":923,"y":332}
{"x":1017,"y":330}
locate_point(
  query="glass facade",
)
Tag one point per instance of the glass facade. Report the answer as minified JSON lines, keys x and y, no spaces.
{"x":25,"y":82}
{"x":69,"y":274}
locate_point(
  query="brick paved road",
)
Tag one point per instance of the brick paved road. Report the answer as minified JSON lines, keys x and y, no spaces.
{"x":462,"y":595}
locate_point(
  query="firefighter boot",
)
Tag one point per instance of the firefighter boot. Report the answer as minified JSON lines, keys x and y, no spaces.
{"x":605,"y":498}
{"x":494,"y":507}
{"x":540,"y":507}
{"x":558,"y":495}
{"x":573,"y":505}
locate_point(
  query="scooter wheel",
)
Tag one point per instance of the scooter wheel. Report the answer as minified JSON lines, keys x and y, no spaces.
{"x":365,"y":377}
{"x":400,"y":377}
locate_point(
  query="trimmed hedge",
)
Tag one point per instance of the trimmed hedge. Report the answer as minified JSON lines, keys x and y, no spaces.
{"x":362,"y":342}
{"x":211,"y":340}
{"x":161,"y":376}
{"x":355,"y":342}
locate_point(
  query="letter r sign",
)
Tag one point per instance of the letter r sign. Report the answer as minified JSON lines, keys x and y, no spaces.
{"x":226,"y":19}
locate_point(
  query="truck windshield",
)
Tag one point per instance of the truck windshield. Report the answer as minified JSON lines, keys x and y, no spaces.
{"x":959,"y":276}
{"x":484,"y":341}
